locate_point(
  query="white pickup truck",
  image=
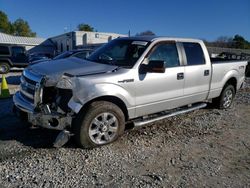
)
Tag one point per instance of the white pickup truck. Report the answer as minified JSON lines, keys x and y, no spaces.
{"x":135,"y":79}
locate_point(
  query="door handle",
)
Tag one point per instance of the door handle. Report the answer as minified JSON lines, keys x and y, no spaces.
{"x":180,"y":76}
{"x":206,"y":72}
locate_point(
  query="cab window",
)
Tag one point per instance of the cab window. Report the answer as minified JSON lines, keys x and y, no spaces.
{"x":194,"y":53}
{"x":166,"y":52}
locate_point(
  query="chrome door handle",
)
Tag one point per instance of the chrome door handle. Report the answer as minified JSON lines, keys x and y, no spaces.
{"x":206,"y":72}
{"x":180,"y":76}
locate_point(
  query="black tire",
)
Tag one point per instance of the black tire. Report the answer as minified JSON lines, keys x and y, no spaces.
{"x":93,"y":126}
{"x":225,"y":100}
{"x":4,"y":68}
{"x":248,"y":70}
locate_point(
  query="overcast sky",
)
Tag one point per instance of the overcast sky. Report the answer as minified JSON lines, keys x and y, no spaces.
{"x":207,"y":19}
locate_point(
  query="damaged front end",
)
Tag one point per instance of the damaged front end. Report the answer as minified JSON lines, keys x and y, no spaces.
{"x":45,"y":105}
{"x":51,"y":98}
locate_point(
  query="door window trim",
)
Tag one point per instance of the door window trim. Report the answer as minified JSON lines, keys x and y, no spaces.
{"x":183,"y":52}
{"x":178,"y":47}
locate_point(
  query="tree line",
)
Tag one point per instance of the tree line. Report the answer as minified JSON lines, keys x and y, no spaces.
{"x":224,"y":42}
{"x":237,"y":41}
{"x":21,"y":27}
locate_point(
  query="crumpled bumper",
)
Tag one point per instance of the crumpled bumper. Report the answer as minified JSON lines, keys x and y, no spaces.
{"x":49,"y":120}
{"x":23,"y":104}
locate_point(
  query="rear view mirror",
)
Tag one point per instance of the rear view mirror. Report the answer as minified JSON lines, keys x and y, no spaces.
{"x":155,"y":66}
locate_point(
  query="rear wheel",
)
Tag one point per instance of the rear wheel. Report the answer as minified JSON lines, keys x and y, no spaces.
{"x":225,"y":100}
{"x":102,"y":123}
{"x":4,"y":68}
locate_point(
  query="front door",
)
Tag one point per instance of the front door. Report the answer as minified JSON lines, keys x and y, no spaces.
{"x":156,"y":92}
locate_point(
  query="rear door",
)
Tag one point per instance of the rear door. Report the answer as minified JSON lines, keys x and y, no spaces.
{"x":197,"y":73}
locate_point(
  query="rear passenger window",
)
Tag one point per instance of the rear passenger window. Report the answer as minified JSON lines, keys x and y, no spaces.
{"x":194,"y":53}
{"x":166,"y":52}
{"x":4,"y":50}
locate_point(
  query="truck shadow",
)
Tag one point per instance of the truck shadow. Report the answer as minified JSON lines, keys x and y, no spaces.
{"x":16,"y":130}
{"x":30,"y":136}
{"x":12,"y":129}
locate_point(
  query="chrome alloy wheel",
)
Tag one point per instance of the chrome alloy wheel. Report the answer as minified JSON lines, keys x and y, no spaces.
{"x":228,"y":98}
{"x":103,"y":128}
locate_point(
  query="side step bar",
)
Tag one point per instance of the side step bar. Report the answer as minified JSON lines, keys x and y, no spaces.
{"x":164,"y":115}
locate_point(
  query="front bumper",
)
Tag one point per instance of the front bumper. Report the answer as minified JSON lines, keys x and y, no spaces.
{"x":23,"y":104}
{"x":42,"y":118}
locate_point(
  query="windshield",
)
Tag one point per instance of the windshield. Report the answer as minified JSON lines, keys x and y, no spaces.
{"x":64,"y":55}
{"x":119,"y":52}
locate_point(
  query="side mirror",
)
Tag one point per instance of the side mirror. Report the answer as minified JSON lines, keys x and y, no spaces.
{"x":155,"y":66}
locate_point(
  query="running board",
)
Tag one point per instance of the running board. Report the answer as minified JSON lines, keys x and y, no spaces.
{"x":138,"y":123}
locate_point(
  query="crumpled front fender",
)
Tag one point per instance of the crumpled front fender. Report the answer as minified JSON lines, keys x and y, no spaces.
{"x":86,"y":90}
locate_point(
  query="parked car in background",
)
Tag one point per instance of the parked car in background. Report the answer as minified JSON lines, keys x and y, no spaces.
{"x":38,"y":56}
{"x":12,"y":56}
{"x":79,"y":53}
{"x":16,"y":56}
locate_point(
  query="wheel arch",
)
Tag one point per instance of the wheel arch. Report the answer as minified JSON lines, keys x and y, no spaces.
{"x":231,"y":81}
{"x":217,"y":101}
{"x":5,"y":66}
{"x":113,"y":99}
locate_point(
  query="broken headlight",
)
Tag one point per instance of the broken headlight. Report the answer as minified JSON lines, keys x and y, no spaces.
{"x":65,"y":83}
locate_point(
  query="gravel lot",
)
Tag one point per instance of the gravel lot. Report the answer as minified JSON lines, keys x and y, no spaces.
{"x":205,"y":148}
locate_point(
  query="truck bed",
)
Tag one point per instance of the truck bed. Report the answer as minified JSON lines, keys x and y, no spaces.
{"x":222,"y":70}
{"x":222,"y":60}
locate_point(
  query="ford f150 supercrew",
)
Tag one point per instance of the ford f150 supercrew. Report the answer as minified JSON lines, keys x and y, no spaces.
{"x":134,"y":80}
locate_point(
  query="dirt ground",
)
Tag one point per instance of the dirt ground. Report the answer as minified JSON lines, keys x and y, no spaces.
{"x":205,"y":148}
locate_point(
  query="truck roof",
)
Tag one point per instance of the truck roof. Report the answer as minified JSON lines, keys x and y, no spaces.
{"x":155,"y":38}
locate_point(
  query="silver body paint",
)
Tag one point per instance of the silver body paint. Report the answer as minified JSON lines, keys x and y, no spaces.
{"x":142,"y":94}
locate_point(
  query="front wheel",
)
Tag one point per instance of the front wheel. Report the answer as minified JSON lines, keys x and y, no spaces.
{"x":225,"y":100}
{"x":4,"y":68}
{"x":102,"y":123}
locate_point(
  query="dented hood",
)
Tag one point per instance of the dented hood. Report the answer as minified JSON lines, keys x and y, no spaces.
{"x":54,"y":69}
